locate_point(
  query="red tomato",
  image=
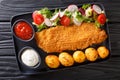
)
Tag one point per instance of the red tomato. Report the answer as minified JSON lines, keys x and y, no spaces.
{"x":101,"y":18}
{"x":37,"y":18}
{"x":23,"y":30}
{"x":65,"y":20}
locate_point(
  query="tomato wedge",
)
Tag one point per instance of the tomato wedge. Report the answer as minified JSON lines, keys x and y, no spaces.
{"x":65,"y":20}
{"x":37,"y":18}
{"x":101,"y":18}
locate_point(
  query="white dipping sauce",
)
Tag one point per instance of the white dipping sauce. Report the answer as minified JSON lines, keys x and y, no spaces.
{"x":30,"y":57}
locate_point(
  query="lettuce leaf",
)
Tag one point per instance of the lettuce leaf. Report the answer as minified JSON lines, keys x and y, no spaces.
{"x":45,"y":12}
{"x":85,"y":6}
{"x":41,"y":27}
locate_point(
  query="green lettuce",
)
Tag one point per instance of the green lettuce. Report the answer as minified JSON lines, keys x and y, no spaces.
{"x":45,"y":12}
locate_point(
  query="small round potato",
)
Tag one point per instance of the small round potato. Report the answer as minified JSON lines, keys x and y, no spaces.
{"x":79,"y":56}
{"x":91,"y":54}
{"x":103,"y":52}
{"x":52,"y":61}
{"x":66,"y":59}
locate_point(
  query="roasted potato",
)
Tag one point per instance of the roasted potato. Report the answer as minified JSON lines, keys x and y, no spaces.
{"x":91,"y":54}
{"x":79,"y":56}
{"x":103,"y":52}
{"x":66,"y":59}
{"x":52,"y":61}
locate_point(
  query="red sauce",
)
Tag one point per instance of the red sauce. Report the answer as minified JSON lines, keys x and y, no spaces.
{"x":23,"y":30}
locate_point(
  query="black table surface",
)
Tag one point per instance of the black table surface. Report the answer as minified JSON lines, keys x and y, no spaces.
{"x":105,"y":70}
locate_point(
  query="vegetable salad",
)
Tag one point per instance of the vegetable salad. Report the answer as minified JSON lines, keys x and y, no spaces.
{"x":72,"y":15}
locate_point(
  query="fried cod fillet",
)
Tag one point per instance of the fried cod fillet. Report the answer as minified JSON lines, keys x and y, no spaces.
{"x":60,"y":38}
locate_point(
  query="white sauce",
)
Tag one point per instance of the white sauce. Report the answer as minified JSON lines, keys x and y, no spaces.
{"x":30,"y":57}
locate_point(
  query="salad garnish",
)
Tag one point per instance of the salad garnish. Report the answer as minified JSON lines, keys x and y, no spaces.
{"x":72,"y":15}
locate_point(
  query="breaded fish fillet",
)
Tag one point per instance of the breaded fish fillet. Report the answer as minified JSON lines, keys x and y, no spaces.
{"x":60,"y":38}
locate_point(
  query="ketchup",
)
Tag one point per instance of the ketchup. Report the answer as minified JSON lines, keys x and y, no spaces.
{"x":23,"y":30}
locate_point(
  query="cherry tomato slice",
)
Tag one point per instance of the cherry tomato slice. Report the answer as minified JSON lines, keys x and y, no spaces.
{"x":101,"y":18}
{"x":37,"y":18}
{"x":65,"y":20}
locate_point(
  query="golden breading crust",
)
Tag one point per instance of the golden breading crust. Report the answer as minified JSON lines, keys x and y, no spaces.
{"x":60,"y":38}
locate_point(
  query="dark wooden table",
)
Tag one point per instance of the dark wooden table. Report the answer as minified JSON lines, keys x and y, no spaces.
{"x":105,"y":70}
